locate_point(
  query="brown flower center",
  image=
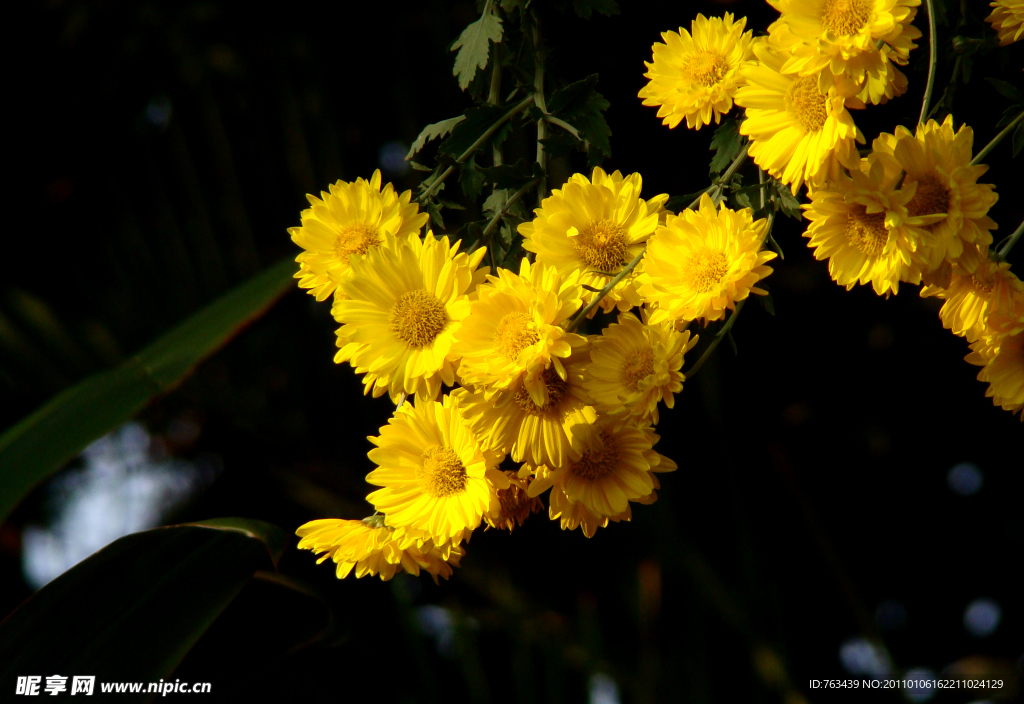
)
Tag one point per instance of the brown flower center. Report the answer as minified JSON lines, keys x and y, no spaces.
{"x":442,"y":474}
{"x":556,"y":387}
{"x":706,"y":68}
{"x":418,"y":317}
{"x":704,"y":269}
{"x":515,"y":333}
{"x":866,"y":231}
{"x":807,"y":103}
{"x":602,"y":245}
{"x":597,"y":463}
{"x":845,"y":17}
{"x":931,"y":198}
{"x":357,"y":238}
{"x":638,"y":366}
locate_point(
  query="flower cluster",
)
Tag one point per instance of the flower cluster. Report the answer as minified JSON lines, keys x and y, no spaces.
{"x":567,"y":413}
{"x":909,"y":210}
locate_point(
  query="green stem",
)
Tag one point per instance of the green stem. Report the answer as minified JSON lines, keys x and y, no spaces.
{"x":493,"y":224}
{"x":933,"y":59}
{"x":724,"y":178}
{"x":1012,"y":241}
{"x":522,"y":105}
{"x":564,"y":125}
{"x":719,"y":336}
{"x":542,"y":125}
{"x":998,"y":138}
{"x":603,"y":292}
{"x":494,"y":97}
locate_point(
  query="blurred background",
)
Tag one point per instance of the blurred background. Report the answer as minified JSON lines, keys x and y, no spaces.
{"x":847,"y":503}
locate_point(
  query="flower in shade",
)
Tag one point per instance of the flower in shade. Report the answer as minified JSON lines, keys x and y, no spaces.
{"x":856,"y":41}
{"x":1007,"y":19}
{"x":1002,"y":359}
{"x":516,"y":504}
{"x":437,"y":481}
{"x":857,"y":222}
{"x":350,"y":219}
{"x":694,"y":75}
{"x":989,"y":302}
{"x":594,"y":227}
{"x":615,"y":467}
{"x":634,"y":366}
{"x":700,"y":263}
{"x":935,"y":165}
{"x":799,"y":127}
{"x":369,"y":547}
{"x":401,"y":309}
{"x":511,"y":421}
{"x":514,"y":332}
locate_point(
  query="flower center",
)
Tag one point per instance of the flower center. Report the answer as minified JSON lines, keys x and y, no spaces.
{"x":866,"y":231}
{"x":516,"y":505}
{"x":704,"y":269}
{"x":443,"y":474}
{"x":357,"y":238}
{"x":982,"y":283}
{"x":418,"y":317}
{"x":602,"y":245}
{"x":599,"y":463}
{"x":556,"y":387}
{"x":807,"y":104}
{"x":515,"y":333}
{"x":706,"y":68}
{"x":845,"y":17}
{"x":931,"y":198}
{"x":638,"y":366}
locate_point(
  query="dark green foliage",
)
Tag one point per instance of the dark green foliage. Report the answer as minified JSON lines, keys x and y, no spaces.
{"x":726,"y":144}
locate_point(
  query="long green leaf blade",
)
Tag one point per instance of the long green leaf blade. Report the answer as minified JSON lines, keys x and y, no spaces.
{"x":41,"y":444}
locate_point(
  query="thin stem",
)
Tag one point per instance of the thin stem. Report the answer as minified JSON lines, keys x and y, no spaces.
{"x":564,"y":125}
{"x":736,"y":164}
{"x":1012,"y":241}
{"x":542,"y":126}
{"x":493,"y":224}
{"x":998,"y":138}
{"x":719,"y":336}
{"x":603,"y":292}
{"x":522,"y":105}
{"x":494,"y":97}
{"x":933,"y":59}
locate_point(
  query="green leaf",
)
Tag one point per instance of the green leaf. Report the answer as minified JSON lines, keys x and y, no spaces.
{"x":471,"y":180}
{"x":509,"y":175}
{"x":767,"y":303}
{"x":467,"y":132}
{"x":586,"y":8}
{"x":583,"y":107}
{"x":1018,"y":139}
{"x":1007,"y":90}
{"x":726,"y":144}
{"x":496,"y":201}
{"x":42,"y":443}
{"x":560,"y":144}
{"x":790,"y":205}
{"x":474,"y":46}
{"x":438,"y":129}
{"x":132,"y":611}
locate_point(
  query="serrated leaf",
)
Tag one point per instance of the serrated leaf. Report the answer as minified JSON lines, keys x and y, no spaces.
{"x":467,"y":132}
{"x":726,"y":144}
{"x":583,"y":107}
{"x":742,"y":200}
{"x":1018,"y":140}
{"x":438,"y":129}
{"x":560,"y":144}
{"x":1007,"y":90}
{"x":586,"y":8}
{"x":474,"y":46}
{"x":789,"y":203}
{"x":434,"y":211}
{"x":496,"y":201}
{"x":471,"y":180}
{"x":419,"y":167}
{"x":509,"y":175}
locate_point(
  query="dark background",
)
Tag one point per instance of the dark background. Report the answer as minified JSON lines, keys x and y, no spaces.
{"x":159,"y":152}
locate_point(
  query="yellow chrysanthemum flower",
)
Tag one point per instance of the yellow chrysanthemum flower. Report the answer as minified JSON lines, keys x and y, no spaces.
{"x":575,"y":515}
{"x":799,"y":127}
{"x":1007,"y":19}
{"x":401,"y":309}
{"x":594,"y":227}
{"x":694,"y":76}
{"x":352,"y":218}
{"x":436,"y":478}
{"x":370,"y":548}
{"x":514,"y":330}
{"x":511,"y":421}
{"x":615,"y":467}
{"x":701,"y":262}
{"x":857,"y":222}
{"x":989,"y":302}
{"x":633,"y":366}
{"x":842,"y":36}
{"x":1003,"y":360}
{"x":936,"y":162}
{"x":516,"y":504}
